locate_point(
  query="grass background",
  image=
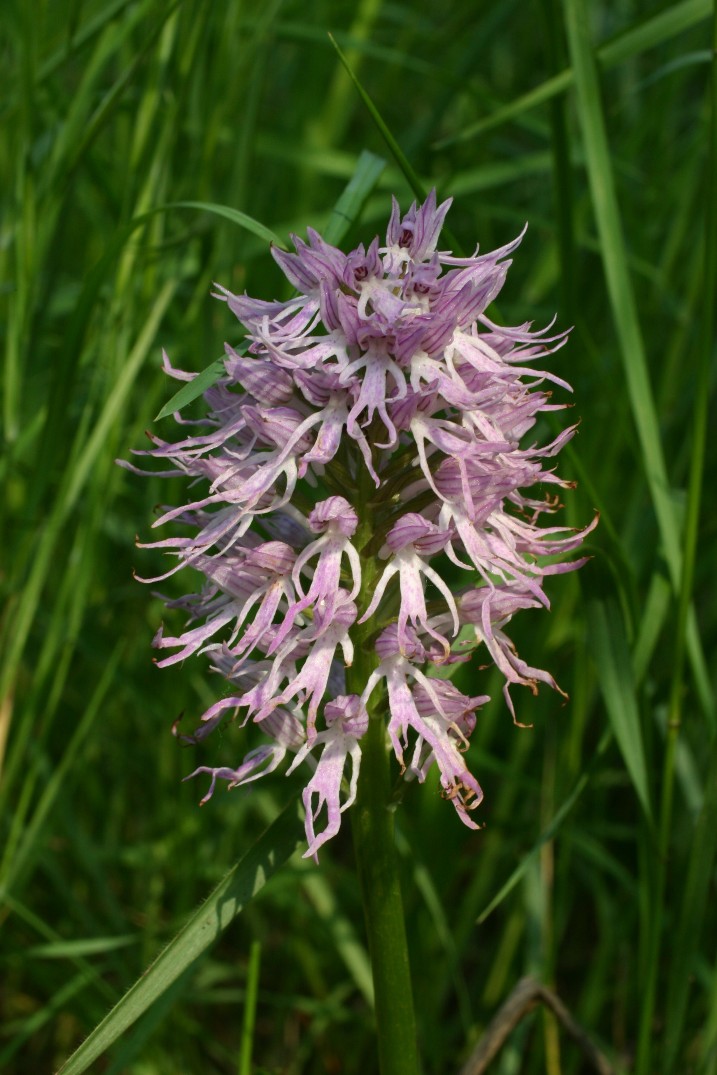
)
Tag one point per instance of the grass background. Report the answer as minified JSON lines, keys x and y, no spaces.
{"x":596,"y":869}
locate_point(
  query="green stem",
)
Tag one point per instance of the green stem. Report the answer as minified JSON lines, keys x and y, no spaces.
{"x":383,"y":908}
{"x":374,"y":841}
{"x":252,"y":989}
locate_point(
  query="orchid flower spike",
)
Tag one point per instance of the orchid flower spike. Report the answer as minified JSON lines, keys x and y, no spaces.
{"x":364,"y":480}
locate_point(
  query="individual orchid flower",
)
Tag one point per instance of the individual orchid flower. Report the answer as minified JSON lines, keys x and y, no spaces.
{"x":346,"y":722}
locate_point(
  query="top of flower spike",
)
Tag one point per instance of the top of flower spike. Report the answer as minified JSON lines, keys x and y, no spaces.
{"x":411,"y":238}
{"x":417,"y":232}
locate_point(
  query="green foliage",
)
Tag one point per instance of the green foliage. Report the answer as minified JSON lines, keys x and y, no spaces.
{"x":150,"y":149}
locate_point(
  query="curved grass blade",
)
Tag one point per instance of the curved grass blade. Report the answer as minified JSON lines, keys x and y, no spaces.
{"x":135,"y":1041}
{"x":228,"y":899}
{"x":398,"y":155}
{"x":352,"y":200}
{"x":648,"y":34}
{"x":233,"y":215}
{"x":550,"y":831}
{"x":196,"y":387}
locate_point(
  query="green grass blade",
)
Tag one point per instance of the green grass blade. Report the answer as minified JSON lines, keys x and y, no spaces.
{"x":252,"y":988}
{"x":624,"y":307}
{"x":615,"y":262}
{"x":399,"y":156}
{"x":674,"y":20}
{"x":704,"y":844}
{"x":235,"y":216}
{"x":88,"y":972}
{"x":227,"y":900}
{"x":691,"y":923}
{"x":14,"y":861}
{"x":135,"y":1041}
{"x":339,"y":927}
{"x":397,"y":153}
{"x":352,"y":200}
{"x":549,"y":832}
{"x":647,"y":35}
{"x":89,"y":946}
{"x":194,"y":388}
{"x":611,"y":651}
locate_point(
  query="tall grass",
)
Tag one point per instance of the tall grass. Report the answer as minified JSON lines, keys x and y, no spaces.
{"x":126,"y":127}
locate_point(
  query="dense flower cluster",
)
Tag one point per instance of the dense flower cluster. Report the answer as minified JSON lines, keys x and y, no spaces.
{"x":383,"y":372}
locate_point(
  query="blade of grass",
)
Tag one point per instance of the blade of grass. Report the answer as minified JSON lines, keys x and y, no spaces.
{"x":87,"y":946}
{"x":235,"y":216}
{"x":88,"y":973}
{"x":339,"y":927}
{"x":14,"y":862}
{"x":611,"y":651}
{"x":624,"y":311}
{"x":195,"y":388}
{"x":693,"y":909}
{"x":352,"y":200}
{"x":549,"y":832}
{"x":563,"y":197}
{"x":80,"y":462}
{"x":647,"y":35}
{"x":228,"y":900}
{"x":331,"y":122}
{"x":135,"y":1040}
{"x":396,"y":152}
{"x":252,"y":988}
{"x":692,"y":918}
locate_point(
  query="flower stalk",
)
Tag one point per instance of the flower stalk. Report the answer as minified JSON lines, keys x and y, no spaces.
{"x":372,"y":826}
{"x":376,"y":858}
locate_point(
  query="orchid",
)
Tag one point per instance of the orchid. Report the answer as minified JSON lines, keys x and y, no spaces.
{"x":364,"y":454}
